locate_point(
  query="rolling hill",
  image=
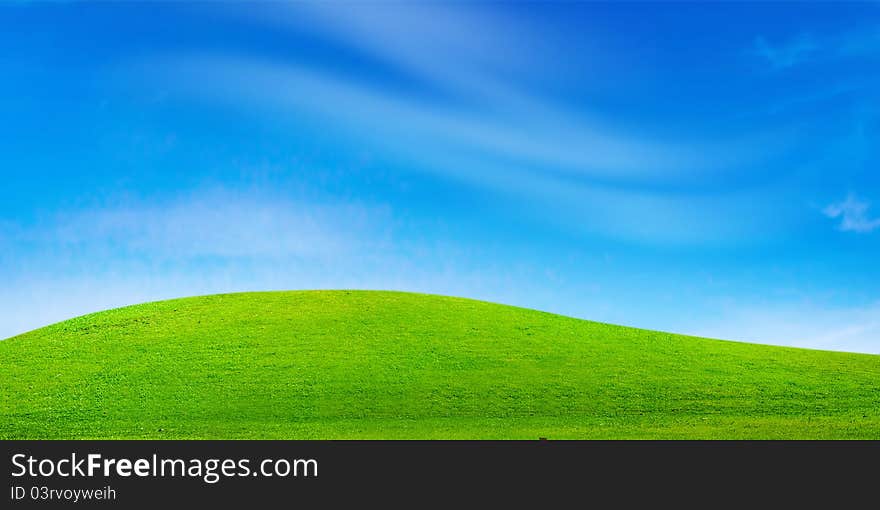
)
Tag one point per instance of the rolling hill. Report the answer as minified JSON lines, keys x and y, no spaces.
{"x":388,"y":365}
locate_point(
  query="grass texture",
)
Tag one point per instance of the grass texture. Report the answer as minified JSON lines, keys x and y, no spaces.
{"x":391,"y":365}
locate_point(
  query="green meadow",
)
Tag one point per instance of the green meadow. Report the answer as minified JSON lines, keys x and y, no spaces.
{"x":391,"y":365}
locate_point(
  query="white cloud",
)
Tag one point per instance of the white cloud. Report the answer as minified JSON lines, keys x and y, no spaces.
{"x":804,"y":324}
{"x":853,"y":215}
{"x":65,"y":268}
{"x":461,"y":47}
{"x":109,"y":255}
{"x":544,"y":138}
{"x":789,"y":54}
{"x":855,"y":43}
{"x":550,"y":159}
{"x":47,"y":291}
{"x":215,"y":223}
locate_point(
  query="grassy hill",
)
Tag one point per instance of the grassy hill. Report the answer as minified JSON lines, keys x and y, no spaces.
{"x":359,"y":364}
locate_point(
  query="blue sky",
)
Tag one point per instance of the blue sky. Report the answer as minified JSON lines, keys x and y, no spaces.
{"x":696,"y":168}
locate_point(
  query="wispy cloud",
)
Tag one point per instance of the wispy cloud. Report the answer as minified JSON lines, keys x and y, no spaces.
{"x":211,"y":240}
{"x":788,"y":54}
{"x":465,"y":48}
{"x":853,"y":215}
{"x":573,"y":147}
{"x":210,"y":223}
{"x":488,"y":59}
{"x":504,"y":136}
{"x":806,"y":324}
{"x":217,"y":241}
{"x":805,"y":47}
{"x":534,"y":156}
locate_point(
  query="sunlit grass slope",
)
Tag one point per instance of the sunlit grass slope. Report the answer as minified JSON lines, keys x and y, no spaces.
{"x":339,"y":364}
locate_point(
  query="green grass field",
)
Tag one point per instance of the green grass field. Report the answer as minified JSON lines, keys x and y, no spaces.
{"x":388,"y":365}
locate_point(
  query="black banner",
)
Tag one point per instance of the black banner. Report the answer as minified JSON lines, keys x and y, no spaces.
{"x":151,"y":474}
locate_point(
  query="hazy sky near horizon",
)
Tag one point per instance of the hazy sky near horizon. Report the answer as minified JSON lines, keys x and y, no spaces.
{"x":711,"y":169}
